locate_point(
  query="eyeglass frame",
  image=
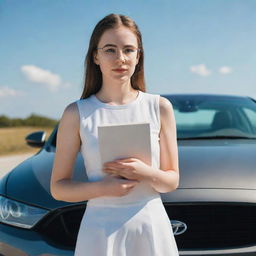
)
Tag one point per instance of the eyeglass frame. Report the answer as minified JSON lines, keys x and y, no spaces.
{"x":138,"y":49}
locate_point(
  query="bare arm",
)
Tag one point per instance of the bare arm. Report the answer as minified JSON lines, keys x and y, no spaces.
{"x":166,"y":178}
{"x":68,"y":145}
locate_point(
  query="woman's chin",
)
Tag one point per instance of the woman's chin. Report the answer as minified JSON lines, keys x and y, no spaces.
{"x":121,"y":78}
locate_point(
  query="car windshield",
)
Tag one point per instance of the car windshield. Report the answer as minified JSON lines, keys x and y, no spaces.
{"x":210,"y":117}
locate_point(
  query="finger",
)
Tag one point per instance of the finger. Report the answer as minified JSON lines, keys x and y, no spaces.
{"x":125,"y":165}
{"x":106,"y":170}
{"x":128,"y":186}
{"x":119,"y":165}
{"x":110,"y":170}
{"x":126,"y":160}
{"x":112,"y":173}
{"x":108,"y":165}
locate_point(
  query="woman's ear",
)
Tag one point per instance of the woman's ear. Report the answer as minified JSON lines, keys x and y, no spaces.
{"x":137,"y":58}
{"x":95,"y":58}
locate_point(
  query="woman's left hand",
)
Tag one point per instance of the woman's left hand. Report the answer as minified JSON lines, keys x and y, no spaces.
{"x":129,"y":168}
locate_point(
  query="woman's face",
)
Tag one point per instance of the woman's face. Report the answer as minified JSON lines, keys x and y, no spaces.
{"x":121,"y":53}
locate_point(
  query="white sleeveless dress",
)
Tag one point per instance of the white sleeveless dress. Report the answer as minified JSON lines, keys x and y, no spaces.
{"x":131,"y":225}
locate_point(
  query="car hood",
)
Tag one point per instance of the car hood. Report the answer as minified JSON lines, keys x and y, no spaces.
{"x":29,"y":182}
{"x":219,"y":164}
{"x":225,"y":163}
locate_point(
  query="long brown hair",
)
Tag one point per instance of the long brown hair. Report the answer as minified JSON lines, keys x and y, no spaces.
{"x":93,"y":75}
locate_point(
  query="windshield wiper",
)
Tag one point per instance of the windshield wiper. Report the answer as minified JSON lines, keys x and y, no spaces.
{"x":217,"y":137}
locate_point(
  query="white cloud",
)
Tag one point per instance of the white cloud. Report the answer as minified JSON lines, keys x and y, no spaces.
{"x":42,"y":76}
{"x":200,"y":70}
{"x":6,"y":91}
{"x":225,"y":70}
{"x":67,"y":85}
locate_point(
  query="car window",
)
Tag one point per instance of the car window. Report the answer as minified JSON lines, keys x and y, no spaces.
{"x":251,"y":115}
{"x":194,"y":120}
{"x":199,"y":116}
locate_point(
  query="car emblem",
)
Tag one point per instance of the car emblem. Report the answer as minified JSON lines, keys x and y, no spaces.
{"x":178,"y":227}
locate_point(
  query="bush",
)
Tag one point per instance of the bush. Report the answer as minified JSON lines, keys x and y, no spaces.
{"x":5,"y":121}
{"x":32,"y":120}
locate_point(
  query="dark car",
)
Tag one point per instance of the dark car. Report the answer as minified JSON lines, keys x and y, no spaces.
{"x":213,"y":211}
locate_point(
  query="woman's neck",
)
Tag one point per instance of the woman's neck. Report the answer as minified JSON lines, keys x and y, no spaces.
{"x":119,"y":94}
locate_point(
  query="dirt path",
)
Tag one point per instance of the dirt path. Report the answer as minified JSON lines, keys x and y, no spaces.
{"x":8,"y":162}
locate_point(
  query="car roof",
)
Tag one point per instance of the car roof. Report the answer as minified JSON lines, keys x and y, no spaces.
{"x":205,"y":96}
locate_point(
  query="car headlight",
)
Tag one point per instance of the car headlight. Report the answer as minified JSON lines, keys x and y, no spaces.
{"x":18,"y":214}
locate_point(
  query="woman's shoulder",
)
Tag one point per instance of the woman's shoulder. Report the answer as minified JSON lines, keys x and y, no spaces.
{"x":71,"y":111}
{"x":73,"y":107}
{"x":166,"y":108}
{"x":82,"y":108}
{"x":70,"y":119}
{"x":163,"y":102}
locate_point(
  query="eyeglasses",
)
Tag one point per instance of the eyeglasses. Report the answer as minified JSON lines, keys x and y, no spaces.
{"x":111,"y":52}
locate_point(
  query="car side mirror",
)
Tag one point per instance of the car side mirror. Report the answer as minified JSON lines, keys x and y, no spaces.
{"x":36,"y":139}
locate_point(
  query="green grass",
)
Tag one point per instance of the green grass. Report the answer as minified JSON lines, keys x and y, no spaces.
{"x":12,"y":140}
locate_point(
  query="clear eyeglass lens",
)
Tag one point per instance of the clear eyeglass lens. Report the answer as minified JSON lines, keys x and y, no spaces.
{"x":112,"y":51}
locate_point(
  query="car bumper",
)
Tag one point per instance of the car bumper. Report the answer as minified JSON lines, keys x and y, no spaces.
{"x":239,"y":251}
{"x":22,"y":242}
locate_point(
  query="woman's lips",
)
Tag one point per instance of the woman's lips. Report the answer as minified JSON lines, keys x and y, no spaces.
{"x":120,"y":70}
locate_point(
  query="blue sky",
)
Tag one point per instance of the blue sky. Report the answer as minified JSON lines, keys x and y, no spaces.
{"x":191,"y":46}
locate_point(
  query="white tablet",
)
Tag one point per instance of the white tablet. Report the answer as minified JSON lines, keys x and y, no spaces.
{"x":124,"y":141}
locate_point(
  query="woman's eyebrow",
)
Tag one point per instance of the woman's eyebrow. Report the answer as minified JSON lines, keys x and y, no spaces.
{"x":113,"y":45}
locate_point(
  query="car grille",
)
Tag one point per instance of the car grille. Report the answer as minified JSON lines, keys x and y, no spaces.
{"x":214,"y":225}
{"x":208,"y":225}
{"x":60,"y":227}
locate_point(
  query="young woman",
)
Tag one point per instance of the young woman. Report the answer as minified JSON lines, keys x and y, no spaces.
{"x":125,"y":215}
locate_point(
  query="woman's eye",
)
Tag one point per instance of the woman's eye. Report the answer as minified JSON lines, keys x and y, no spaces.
{"x":129,"y":50}
{"x":111,"y":50}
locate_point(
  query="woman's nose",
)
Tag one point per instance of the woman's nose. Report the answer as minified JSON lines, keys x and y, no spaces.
{"x":120,"y":55}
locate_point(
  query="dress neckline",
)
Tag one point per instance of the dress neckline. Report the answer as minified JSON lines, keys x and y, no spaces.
{"x":106,"y":105}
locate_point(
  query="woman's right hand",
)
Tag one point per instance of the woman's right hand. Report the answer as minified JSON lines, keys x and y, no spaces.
{"x":117,"y":186}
